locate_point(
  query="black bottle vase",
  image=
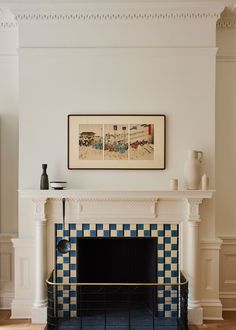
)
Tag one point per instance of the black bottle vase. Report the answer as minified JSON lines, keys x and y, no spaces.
{"x":44,"y":184}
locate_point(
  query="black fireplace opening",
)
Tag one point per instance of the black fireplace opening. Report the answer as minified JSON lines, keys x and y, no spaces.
{"x":117,"y":260}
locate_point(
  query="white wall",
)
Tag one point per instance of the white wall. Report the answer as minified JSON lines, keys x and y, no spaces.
{"x":225,"y":132}
{"x":151,"y":79}
{"x":160,"y":63}
{"x":226,"y":157}
{"x":54,"y":83}
{"x":8,"y":127}
{"x":8,"y":153}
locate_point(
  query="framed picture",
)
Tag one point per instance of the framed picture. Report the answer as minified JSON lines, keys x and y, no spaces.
{"x":116,"y":141}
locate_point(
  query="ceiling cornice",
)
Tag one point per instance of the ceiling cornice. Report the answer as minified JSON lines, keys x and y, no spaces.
{"x":7,"y":20}
{"x":227,"y":20}
{"x":115,"y":11}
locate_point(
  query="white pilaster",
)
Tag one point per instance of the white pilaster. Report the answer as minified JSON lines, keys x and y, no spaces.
{"x":210,"y":302}
{"x":193,"y":264}
{"x":39,"y":310}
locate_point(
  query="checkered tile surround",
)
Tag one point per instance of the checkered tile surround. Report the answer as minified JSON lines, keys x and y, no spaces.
{"x":167,"y":260}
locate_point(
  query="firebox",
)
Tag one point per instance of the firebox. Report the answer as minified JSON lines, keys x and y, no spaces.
{"x":117,"y":260}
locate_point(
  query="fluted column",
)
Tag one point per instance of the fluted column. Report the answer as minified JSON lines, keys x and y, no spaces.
{"x":193,"y":261}
{"x":40,"y":296}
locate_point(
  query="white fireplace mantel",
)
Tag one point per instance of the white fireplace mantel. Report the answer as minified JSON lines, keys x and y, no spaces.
{"x":86,"y":206}
{"x":116,"y":194}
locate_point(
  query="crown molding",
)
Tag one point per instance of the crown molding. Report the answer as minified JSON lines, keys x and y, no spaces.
{"x":100,"y":12}
{"x":228,"y":19}
{"x":7,"y":20}
{"x":8,"y":26}
{"x":114,"y":11}
{"x":227,"y":23}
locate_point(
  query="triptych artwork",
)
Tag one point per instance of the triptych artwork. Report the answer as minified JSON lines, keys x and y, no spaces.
{"x":131,"y":142}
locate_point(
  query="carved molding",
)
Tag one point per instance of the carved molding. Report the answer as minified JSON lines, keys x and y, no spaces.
{"x":227,"y":23}
{"x":7,"y":20}
{"x":39,"y":209}
{"x":228,"y":19}
{"x":4,"y":25}
{"x":114,"y":15}
{"x":193,"y":209}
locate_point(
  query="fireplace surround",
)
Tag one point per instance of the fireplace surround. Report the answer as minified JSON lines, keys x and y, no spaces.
{"x":163,"y":255}
{"x":105,"y":213}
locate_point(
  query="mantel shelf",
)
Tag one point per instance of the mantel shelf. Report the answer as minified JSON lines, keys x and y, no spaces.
{"x":117,"y":195}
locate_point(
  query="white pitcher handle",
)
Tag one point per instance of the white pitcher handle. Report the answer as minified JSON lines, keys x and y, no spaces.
{"x":200,"y":155}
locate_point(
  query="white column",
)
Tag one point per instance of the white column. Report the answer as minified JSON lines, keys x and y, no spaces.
{"x":39,"y":310}
{"x":193,"y":261}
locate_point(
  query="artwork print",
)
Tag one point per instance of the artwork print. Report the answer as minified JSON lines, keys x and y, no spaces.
{"x":116,"y":142}
{"x":142,"y":141}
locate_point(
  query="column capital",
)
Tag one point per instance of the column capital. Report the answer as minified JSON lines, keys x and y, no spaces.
{"x":40,"y":209}
{"x":193,"y":214}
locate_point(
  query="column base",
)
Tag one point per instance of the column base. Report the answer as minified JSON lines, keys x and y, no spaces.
{"x":212,"y":309}
{"x":21,"y":308}
{"x":195,"y":315}
{"x":39,"y":314}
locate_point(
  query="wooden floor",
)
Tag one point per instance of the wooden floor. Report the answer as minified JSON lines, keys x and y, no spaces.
{"x":229,"y":323}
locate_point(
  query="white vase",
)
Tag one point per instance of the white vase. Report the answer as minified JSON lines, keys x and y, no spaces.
{"x":192,"y":169}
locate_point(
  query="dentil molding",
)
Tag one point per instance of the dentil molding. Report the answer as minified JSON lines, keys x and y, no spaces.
{"x":227,"y":20}
{"x":5,"y":25}
{"x":110,"y":15}
{"x":118,"y":11}
{"x":7,"y":20}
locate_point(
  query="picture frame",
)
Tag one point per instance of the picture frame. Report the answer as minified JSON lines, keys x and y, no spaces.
{"x":128,"y":142}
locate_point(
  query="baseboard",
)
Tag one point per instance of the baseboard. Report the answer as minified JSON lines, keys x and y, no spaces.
{"x":213,"y":318}
{"x":21,"y":309}
{"x":212,"y":309}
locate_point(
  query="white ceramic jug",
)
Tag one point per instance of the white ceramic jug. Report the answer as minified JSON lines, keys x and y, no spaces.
{"x":192,"y":169}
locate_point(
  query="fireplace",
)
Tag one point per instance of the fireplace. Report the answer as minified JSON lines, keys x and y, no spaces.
{"x":172,"y":217}
{"x":117,"y":260}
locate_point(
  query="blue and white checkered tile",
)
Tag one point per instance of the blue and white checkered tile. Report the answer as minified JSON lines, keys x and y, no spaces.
{"x":63,"y":273}
{"x":167,"y":260}
{"x":170,"y":267}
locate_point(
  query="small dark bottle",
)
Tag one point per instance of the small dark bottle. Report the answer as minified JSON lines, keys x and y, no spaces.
{"x":44,"y":184}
